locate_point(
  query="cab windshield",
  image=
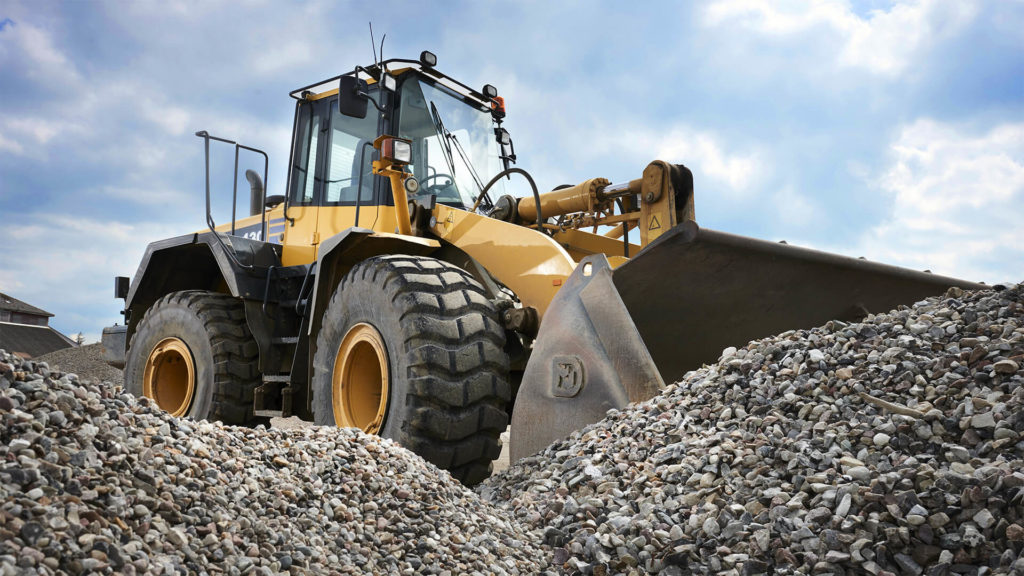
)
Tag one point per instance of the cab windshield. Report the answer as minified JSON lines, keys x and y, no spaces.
{"x":454,"y":151}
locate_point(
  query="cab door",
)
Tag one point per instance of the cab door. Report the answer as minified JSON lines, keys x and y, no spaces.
{"x":305,"y":180}
{"x":350,"y":192}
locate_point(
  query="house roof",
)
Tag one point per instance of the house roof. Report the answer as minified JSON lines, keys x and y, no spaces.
{"x":30,"y":341}
{"x":14,"y":305}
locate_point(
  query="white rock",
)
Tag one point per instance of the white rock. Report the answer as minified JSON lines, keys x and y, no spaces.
{"x":844,"y":505}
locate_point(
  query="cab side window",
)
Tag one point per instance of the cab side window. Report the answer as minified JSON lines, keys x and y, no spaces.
{"x":350,"y":158}
{"x":307,"y":135}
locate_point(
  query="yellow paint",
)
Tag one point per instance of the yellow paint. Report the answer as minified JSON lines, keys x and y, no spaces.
{"x":531,"y":264}
{"x":396,"y":176}
{"x":359,"y":382}
{"x":276,"y":214}
{"x":314,"y":225}
{"x":319,"y":224}
{"x":334,"y":219}
{"x":616,"y":261}
{"x":657,"y":205}
{"x":369,"y":82}
{"x":581,"y":244}
{"x":169,"y":377}
{"x":579,"y":198}
{"x":299,"y":246}
{"x":322,"y":95}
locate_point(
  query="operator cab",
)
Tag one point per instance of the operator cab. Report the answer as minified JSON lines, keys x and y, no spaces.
{"x":457,"y":143}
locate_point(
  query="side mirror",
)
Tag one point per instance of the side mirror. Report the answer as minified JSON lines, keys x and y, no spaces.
{"x":352,"y":98}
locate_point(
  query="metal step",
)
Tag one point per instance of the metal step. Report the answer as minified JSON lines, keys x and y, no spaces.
{"x":277,"y":378}
{"x":273,"y":385}
{"x":285,"y":340}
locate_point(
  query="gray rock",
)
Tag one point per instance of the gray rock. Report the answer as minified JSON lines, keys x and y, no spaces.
{"x":854,"y":443}
{"x":984,"y":518}
{"x":984,"y":420}
{"x":94,"y":481}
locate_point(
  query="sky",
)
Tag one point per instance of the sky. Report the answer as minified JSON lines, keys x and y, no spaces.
{"x":889,"y":130}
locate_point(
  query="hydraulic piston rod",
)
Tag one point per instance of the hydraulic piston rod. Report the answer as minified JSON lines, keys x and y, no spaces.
{"x":583,"y":197}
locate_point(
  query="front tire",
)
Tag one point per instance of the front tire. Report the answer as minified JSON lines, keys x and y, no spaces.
{"x":193,"y":355}
{"x":410,"y":348}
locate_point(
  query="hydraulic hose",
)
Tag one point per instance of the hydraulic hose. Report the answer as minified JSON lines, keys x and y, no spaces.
{"x":506,"y":172}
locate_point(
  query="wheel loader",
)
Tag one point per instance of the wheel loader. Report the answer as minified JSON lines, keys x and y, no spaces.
{"x":397,"y":287}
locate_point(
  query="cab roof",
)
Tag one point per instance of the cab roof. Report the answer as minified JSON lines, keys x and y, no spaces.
{"x":329,"y":86}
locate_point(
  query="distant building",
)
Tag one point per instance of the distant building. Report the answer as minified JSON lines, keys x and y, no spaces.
{"x":25,"y":330}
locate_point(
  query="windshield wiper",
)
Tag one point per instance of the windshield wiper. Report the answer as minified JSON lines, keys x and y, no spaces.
{"x":447,"y":139}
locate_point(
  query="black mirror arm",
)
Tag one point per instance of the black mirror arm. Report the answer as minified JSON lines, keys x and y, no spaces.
{"x":379,"y":78}
{"x":371,"y":99}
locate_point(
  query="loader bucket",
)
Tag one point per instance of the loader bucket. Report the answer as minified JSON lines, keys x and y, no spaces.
{"x":614,"y":337}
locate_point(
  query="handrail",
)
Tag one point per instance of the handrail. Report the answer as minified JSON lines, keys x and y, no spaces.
{"x":359,"y":181}
{"x":206,"y":136}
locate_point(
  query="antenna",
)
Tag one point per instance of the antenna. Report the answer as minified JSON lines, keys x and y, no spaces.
{"x":382,"y":48}
{"x":373,"y":45}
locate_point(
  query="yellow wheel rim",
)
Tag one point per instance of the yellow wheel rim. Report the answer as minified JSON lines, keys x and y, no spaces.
{"x":170,"y":376}
{"x":359,"y":383}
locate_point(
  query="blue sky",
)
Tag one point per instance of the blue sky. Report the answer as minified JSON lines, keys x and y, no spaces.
{"x":888,"y":130}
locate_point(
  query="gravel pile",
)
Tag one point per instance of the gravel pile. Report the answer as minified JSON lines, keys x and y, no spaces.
{"x":889,"y":446}
{"x":884,"y":447}
{"x":85,"y":361}
{"x":92,"y":479}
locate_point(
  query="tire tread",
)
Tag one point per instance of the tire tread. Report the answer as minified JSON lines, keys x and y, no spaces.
{"x":235,"y":353}
{"x":456,"y":367}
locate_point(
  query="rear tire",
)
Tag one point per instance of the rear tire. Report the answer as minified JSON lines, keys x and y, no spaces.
{"x":208,"y":331}
{"x":446,"y":373}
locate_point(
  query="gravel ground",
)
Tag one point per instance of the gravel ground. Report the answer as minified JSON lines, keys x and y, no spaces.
{"x":884,"y":447}
{"x":92,"y":479}
{"x":85,"y":361}
{"x":890,"y":446}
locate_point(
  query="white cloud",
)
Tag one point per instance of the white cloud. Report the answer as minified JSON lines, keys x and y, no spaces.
{"x":957,"y":202}
{"x":32,"y":49}
{"x":607,"y":138}
{"x":282,"y":57}
{"x":10,"y":145}
{"x":714,"y":163}
{"x":172,"y":119}
{"x":66,"y":264}
{"x":40,"y":130}
{"x":794,"y":210}
{"x":705,"y":152}
{"x":883,"y":42}
{"x":39,"y":47}
{"x":149,"y":195}
{"x":29,"y":135}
